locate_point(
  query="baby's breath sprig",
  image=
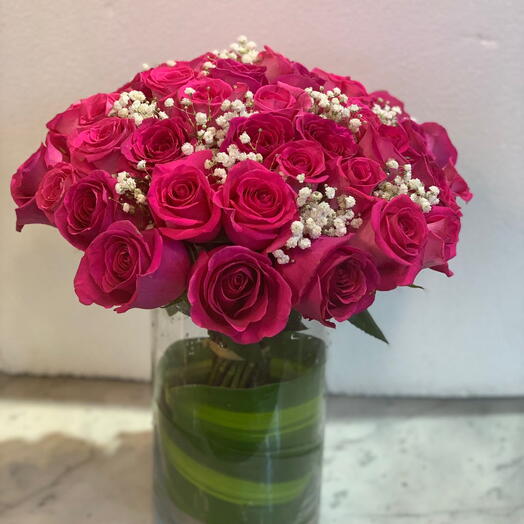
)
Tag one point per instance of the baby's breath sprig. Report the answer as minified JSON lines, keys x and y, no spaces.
{"x":404,"y":184}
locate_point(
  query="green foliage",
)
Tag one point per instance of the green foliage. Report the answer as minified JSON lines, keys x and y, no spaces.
{"x":365,"y":322}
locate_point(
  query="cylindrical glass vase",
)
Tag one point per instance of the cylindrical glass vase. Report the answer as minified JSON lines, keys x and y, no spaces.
{"x":238,"y":429}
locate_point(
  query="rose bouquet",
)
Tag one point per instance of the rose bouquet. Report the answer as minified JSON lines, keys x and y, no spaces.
{"x":247,"y":192}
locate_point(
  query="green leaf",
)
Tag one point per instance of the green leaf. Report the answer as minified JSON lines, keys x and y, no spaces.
{"x":365,"y":322}
{"x":295,"y":322}
{"x":414,"y":286}
{"x":181,"y":305}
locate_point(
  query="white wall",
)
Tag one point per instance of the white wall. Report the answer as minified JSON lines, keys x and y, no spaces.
{"x":455,"y":62}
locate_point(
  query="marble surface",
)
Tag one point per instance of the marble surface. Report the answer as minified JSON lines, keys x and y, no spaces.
{"x":78,"y":451}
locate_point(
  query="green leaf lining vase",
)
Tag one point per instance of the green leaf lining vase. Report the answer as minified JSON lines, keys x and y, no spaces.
{"x":238,"y":429}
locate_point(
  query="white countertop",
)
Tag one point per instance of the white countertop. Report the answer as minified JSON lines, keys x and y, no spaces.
{"x":78,"y":452}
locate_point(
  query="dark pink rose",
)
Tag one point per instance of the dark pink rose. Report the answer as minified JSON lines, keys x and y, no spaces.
{"x":457,"y":185}
{"x":417,"y":146}
{"x":181,"y":199}
{"x":439,"y":144}
{"x":276,"y":64}
{"x":238,"y":292}
{"x":359,"y":172}
{"x":443,"y":235}
{"x":233,"y":72}
{"x":89,"y":207}
{"x":300,"y":76}
{"x":157,"y":141}
{"x":259,"y":207}
{"x":266,"y":130}
{"x":83,"y":113}
{"x":24,"y":186}
{"x":299,"y":157}
{"x":427,"y":171}
{"x":163,"y":81}
{"x":334,"y":139}
{"x":53,"y":186}
{"x":348,"y":86}
{"x":208,"y":96}
{"x":332,"y":279}
{"x":395,"y":236}
{"x":98,"y":146}
{"x":280,"y":97}
{"x":396,"y":135}
{"x":132,"y":269}
{"x":376,"y":147}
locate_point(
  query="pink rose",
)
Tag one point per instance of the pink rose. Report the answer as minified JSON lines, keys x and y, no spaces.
{"x":131,"y":269}
{"x":334,"y":139}
{"x":359,"y":172}
{"x":53,"y":186}
{"x":300,"y":76}
{"x":439,"y":144}
{"x":395,"y":236}
{"x":443,"y":235}
{"x":89,"y":207}
{"x":157,"y":141}
{"x":299,"y":157}
{"x":457,"y":185}
{"x":163,"y":81}
{"x":397,"y":136}
{"x":181,"y":199}
{"x":281,"y":97}
{"x":234,"y":72}
{"x":348,"y":86}
{"x":238,"y":292}
{"x":258,"y":205}
{"x":276,"y":64}
{"x":98,"y":146}
{"x":417,"y":145}
{"x":24,"y":186}
{"x":376,"y":147}
{"x":331,"y":280}
{"x":266,"y":130}
{"x":82,"y":113}
{"x":208,"y":96}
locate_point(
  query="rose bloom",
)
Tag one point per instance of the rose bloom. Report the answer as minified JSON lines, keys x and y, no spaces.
{"x":233,"y":72}
{"x":301,"y":76}
{"x":98,"y":146}
{"x":258,"y":205}
{"x":346,"y":85}
{"x":299,"y":157}
{"x":374,"y":146}
{"x":281,"y":97}
{"x":181,"y":199}
{"x":25,"y":183}
{"x":163,"y":81}
{"x":208,"y":96}
{"x":53,"y":186}
{"x":395,"y":235}
{"x":443,"y":235}
{"x":334,"y":139}
{"x":331,"y":279}
{"x":132,"y":269}
{"x":361,"y":173}
{"x":83,"y":113}
{"x":266,"y":130}
{"x":156,"y":141}
{"x":276,"y":64}
{"x":238,"y":292}
{"x":89,"y":207}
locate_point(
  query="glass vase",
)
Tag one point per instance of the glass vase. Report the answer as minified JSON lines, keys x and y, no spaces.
{"x":238,"y":429}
